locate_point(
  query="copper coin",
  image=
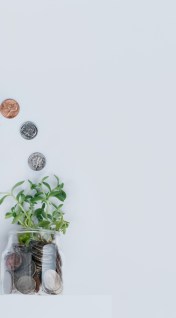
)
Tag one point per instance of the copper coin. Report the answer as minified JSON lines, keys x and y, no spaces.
{"x":9,"y":108}
{"x":13,"y":261}
{"x":38,"y":282}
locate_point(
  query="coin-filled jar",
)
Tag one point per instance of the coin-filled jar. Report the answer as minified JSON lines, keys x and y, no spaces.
{"x":32,"y":264}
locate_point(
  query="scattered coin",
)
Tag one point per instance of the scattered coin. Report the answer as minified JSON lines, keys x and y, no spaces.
{"x":13,"y":261}
{"x":25,"y":285}
{"x":37,"y":161}
{"x":7,"y":283}
{"x":52,"y":282}
{"x":28,"y":130}
{"x":9,"y":108}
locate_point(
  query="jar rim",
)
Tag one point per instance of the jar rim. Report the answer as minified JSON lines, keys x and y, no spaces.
{"x":39,"y":230}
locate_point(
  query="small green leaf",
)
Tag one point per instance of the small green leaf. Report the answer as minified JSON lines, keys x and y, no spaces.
{"x":57,"y":179}
{"x":61,"y":195}
{"x":28,"y":198}
{"x":21,"y":198}
{"x":39,"y":214}
{"x":47,"y":185}
{"x":8,"y":215}
{"x":44,"y":224}
{"x":17,"y":218}
{"x":37,"y":199}
{"x":17,"y":185}
{"x":54,"y":205}
{"x":44,"y":178}
{"x":3,"y":198}
{"x":32,"y":185}
{"x":18,"y":195}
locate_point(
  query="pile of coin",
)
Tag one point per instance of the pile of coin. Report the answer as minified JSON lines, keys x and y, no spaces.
{"x":33,"y":269}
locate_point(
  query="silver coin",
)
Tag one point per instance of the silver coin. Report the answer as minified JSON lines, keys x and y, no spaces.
{"x":28,"y":130}
{"x":25,"y":285}
{"x":37,"y":161}
{"x":56,"y":292}
{"x":7,"y":283}
{"x":52,"y":281}
{"x":28,"y":270}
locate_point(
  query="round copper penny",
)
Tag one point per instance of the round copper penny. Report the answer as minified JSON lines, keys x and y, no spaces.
{"x":13,"y":261}
{"x":9,"y":108}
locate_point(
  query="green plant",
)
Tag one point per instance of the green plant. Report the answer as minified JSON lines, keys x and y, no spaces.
{"x":38,"y":206}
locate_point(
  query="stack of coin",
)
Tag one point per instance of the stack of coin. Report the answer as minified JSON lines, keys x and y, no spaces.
{"x":37,"y":254}
{"x":58,"y":264}
{"x":47,"y":258}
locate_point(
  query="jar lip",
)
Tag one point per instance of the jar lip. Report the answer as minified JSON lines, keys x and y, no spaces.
{"x":39,"y":230}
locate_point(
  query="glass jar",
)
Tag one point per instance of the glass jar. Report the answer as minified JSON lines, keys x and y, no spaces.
{"x":31,"y":263}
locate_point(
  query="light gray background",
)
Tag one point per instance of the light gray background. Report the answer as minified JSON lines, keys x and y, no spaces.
{"x":98,"y":78}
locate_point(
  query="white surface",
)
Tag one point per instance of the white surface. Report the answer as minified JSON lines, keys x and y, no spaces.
{"x":67,"y":306}
{"x":98,"y":78}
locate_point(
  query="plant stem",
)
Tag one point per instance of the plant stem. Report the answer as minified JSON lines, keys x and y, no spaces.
{"x":21,"y":207}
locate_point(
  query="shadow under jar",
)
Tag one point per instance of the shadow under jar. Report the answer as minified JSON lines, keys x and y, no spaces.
{"x":31,"y":263}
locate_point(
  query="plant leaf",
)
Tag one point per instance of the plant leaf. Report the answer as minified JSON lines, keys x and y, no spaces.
{"x":44,"y":224}
{"x":8,"y":215}
{"x":57,"y":179}
{"x":47,"y":185}
{"x":36,"y":199}
{"x":61,"y":195}
{"x":18,"y":195}
{"x":3,"y":198}
{"x":45,"y":178}
{"x":17,"y":185}
{"x":39,"y":214}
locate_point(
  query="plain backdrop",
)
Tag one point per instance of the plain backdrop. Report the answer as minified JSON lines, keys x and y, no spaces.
{"x":98,"y":78}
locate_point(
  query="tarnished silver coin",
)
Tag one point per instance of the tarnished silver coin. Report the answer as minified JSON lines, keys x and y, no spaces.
{"x":28,"y":270}
{"x":28,"y":130}
{"x":52,"y":282}
{"x":37,"y":161}
{"x":7,"y":283}
{"x":25,"y":285}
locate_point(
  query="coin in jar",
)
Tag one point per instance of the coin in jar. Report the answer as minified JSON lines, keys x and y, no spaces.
{"x":28,"y":270}
{"x":13,"y":261}
{"x":25,"y":285}
{"x":52,"y":282}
